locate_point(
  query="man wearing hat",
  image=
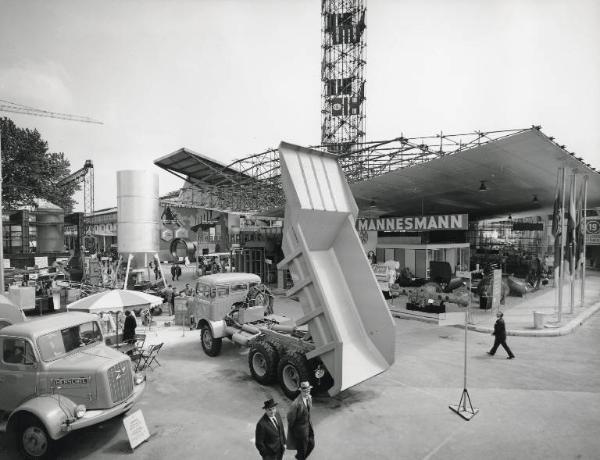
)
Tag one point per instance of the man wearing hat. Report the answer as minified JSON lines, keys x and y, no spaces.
{"x":300,"y":429}
{"x":270,"y":434}
{"x":500,"y":337}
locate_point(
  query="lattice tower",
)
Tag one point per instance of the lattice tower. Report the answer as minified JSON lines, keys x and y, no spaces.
{"x":343,"y":83}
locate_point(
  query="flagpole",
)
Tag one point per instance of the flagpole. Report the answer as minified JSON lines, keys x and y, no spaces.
{"x":584,"y":228}
{"x":572,"y":245}
{"x":561,"y":265}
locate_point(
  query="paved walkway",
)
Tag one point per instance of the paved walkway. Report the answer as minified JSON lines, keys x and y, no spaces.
{"x":519,"y":311}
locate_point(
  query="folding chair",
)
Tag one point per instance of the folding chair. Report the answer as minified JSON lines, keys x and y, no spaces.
{"x":152,"y":359}
{"x":138,"y":347}
{"x":147,"y":357}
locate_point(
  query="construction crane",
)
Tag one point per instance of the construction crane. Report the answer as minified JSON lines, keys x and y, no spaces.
{"x":85,"y":175}
{"x":13,"y":107}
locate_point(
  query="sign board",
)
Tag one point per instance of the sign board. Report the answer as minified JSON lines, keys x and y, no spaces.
{"x":496,"y":288}
{"x":592,"y":237}
{"x":527,"y":226}
{"x":41,"y":262}
{"x":414,"y":223}
{"x":6,"y":263}
{"x":136,"y":428}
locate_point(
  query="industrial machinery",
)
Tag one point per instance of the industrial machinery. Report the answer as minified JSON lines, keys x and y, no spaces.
{"x":346,"y":334}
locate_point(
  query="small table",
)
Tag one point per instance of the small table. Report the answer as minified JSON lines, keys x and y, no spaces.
{"x":124,"y":347}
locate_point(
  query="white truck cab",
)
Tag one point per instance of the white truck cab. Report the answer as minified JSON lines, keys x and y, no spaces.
{"x":57,"y":375}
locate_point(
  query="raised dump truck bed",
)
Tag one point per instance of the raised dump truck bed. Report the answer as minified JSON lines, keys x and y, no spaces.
{"x":347,"y":317}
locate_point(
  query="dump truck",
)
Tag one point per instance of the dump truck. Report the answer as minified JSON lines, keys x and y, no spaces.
{"x":346,"y":334}
{"x":57,"y":375}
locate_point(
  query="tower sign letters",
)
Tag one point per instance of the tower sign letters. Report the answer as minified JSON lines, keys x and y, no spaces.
{"x":414,"y":223}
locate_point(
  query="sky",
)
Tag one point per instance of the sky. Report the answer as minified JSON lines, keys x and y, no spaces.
{"x":230,"y":78}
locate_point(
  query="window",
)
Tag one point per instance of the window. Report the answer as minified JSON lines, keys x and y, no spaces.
{"x":203,"y":291}
{"x":222,"y":291}
{"x":17,"y":351}
{"x":58,"y":343}
{"x":239,"y":287}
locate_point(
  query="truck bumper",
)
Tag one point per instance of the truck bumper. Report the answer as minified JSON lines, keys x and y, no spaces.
{"x":93,"y":416}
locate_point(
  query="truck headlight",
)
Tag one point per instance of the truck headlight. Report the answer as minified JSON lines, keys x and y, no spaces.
{"x":138,"y":378}
{"x":80,"y":411}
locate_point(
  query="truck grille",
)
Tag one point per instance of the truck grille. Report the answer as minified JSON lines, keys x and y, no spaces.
{"x":121,"y":383}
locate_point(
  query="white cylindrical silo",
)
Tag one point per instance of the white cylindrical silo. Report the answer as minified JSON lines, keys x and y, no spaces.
{"x":137,"y":211}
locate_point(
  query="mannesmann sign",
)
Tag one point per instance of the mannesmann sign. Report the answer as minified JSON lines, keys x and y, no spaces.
{"x":414,"y":223}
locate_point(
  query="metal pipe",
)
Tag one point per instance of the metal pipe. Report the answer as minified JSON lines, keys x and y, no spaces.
{"x":250,"y":328}
{"x":283,"y":328}
{"x":562,"y":245}
{"x":162,"y":275}
{"x":584,"y":223}
{"x":573,"y":245}
{"x":127,"y":271}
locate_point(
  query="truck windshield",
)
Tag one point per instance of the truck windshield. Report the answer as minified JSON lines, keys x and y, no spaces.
{"x":59,"y":343}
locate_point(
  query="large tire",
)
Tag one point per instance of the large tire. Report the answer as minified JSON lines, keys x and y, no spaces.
{"x":262,"y":360}
{"x":210,"y":345}
{"x":32,"y":439}
{"x":293,"y":368}
{"x":260,"y":295}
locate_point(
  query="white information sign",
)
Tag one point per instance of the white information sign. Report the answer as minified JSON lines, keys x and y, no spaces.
{"x":136,"y":428}
{"x":41,"y":262}
{"x":6,"y":263}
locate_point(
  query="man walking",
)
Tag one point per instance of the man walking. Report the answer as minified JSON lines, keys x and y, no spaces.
{"x":270,"y":434}
{"x":500,"y":337}
{"x":300,"y":429}
{"x":173,"y":272}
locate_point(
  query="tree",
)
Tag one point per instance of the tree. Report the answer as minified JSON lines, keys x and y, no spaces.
{"x":29,"y":171}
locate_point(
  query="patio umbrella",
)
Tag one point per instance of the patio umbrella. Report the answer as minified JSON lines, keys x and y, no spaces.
{"x":114,"y":300}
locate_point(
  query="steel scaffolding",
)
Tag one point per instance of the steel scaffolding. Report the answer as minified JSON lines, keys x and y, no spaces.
{"x":252,"y":184}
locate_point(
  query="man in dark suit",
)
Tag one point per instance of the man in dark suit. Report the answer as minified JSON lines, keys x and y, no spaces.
{"x":500,"y":337}
{"x":300,"y":429}
{"x":270,"y":434}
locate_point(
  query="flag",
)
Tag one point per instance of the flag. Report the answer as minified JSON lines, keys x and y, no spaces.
{"x":572,"y":227}
{"x":556,"y":218}
{"x":580,"y":224}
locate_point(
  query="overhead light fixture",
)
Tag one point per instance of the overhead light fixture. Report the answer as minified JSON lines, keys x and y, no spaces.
{"x":372,"y":204}
{"x":482,"y":187}
{"x":535,"y":199}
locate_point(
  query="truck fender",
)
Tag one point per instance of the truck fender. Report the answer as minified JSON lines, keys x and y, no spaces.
{"x":54,"y":411}
{"x":217,"y":327}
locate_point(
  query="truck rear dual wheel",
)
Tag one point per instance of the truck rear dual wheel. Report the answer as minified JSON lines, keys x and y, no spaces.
{"x":293,"y":368}
{"x":262,"y":360}
{"x":210,"y":345}
{"x":32,"y":439}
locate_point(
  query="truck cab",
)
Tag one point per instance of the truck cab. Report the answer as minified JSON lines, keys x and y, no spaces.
{"x":57,"y":375}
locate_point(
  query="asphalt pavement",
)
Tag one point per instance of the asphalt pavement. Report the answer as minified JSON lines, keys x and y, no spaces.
{"x":545,"y":404}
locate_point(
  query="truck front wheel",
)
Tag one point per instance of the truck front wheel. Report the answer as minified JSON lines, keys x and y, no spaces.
{"x":210,"y":345}
{"x":293,"y":368}
{"x":262,"y":360}
{"x":32,"y":439}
